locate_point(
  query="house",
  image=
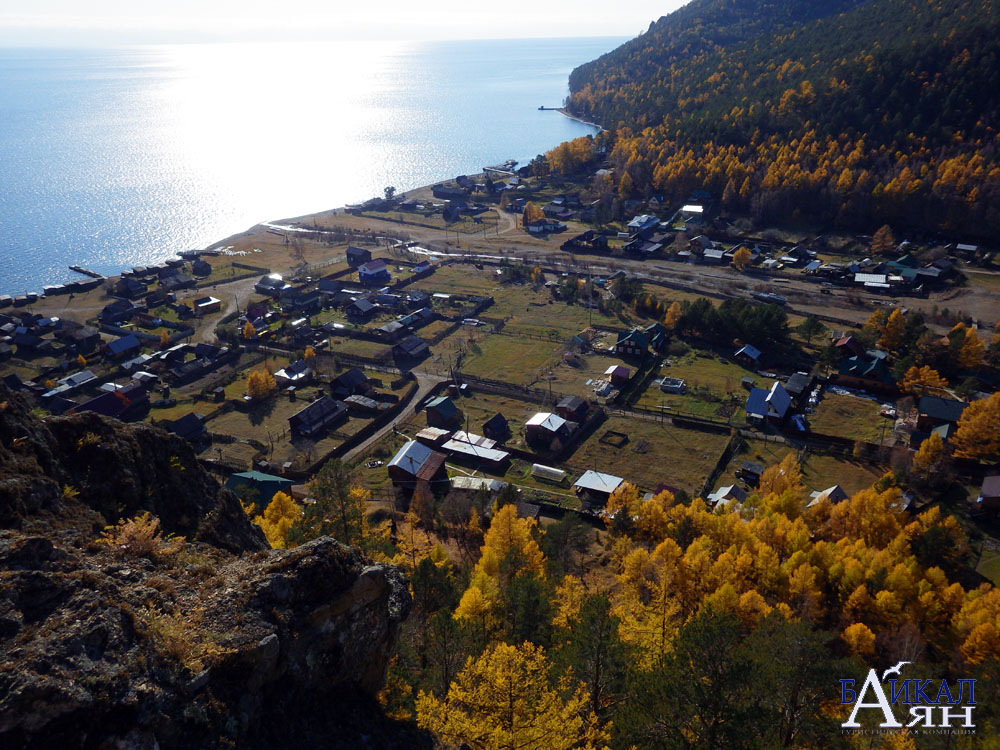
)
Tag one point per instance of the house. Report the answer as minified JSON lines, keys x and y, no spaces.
{"x":357,"y":256}
{"x":750,"y":473}
{"x":411,"y":348}
{"x":477,"y":484}
{"x":207,"y":305}
{"x":799,"y":385}
{"x":388,"y":301}
{"x":305,"y":303}
{"x":417,"y":318}
{"x":989,"y":494}
{"x":118,"y":311}
{"x":374,"y":273}
{"x":496,"y":427}
{"x":934,"y":411}
{"x":176,"y":281}
{"x":632,"y":343}
{"x":865,"y":371}
{"x":129,"y":288}
{"x":725,"y":495}
{"x":392,"y":331}
{"x":595,"y":488}
{"x":643,"y":225}
{"x":658,"y":336}
{"x":296,"y":374}
{"x":70,"y":383}
{"x":201,"y":268}
{"x":272,"y":285}
{"x":190,"y":427}
{"x":83,"y":340}
{"x":121,"y":403}
{"x":771,"y":406}
{"x":544,"y":427}
{"x":541,"y":226}
{"x":618,"y":375}
{"x":748,"y":355}
{"x":320,"y":415}
{"x":834,"y":494}
{"x":360,"y":310}
{"x":848,"y":346}
{"x":700,"y":244}
{"x":257,"y":487}
{"x":415,"y":464}
{"x":589,"y":240}
{"x":572,"y":408}
{"x":124,"y":345}
{"x":349,"y":383}
{"x":422,"y":267}
{"x":442,"y":412}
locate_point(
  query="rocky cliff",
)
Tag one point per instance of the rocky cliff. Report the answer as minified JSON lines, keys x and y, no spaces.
{"x":214,"y":642}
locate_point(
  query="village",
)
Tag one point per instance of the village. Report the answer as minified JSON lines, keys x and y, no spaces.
{"x":488,"y":335}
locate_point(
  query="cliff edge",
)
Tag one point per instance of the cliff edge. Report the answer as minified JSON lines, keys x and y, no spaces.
{"x":216,"y":641}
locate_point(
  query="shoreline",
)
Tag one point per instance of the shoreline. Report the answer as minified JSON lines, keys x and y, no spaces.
{"x":566,"y":113}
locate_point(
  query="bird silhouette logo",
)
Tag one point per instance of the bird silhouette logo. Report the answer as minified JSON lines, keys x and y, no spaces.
{"x":896,"y":670}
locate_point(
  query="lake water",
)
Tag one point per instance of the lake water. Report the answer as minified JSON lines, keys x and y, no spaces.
{"x":110,"y":159}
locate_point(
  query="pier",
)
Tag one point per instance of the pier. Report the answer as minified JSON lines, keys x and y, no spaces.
{"x":86,"y":272}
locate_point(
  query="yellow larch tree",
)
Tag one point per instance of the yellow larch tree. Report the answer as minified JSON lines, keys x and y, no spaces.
{"x":859,"y":639}
{"x":260,"y":383}
{"x":648,"y":612}
{"x":504,"y":699}
{"x":278,"y":518}
{"x":977,"y":435}
{"x":929,"y":459}
{"x":883,"y":241}
{"x":920,"y":381}
{"x":741,"y":259}
{"x":971,"y":352}
{"x":673,"y":315}
{"x":532,"y":212}
{"x":249,"y":332}
{"x":892,"y":334}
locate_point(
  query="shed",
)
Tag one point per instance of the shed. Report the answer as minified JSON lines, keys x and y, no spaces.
{"x":496,"y":427}
{"x":257,"y":487}
{"x":442,"y":412}
{"x":415,"y":464}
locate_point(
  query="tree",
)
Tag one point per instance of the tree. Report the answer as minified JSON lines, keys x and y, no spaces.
{"x":972,"y":349}
{"x":922,"y":380}
{"x":249,"y":332}
{"x":81,"y":361}
{"x":810,"y":327}
{"x":338,"y":510}
{"x":260,"y":384}
{"x":277,"y":519}
{"x":929,"y":460}
{"x":532,"y":212}
{"x":978,"y":432}
{"x":891,"y":339}
{"x":310,"y":354}
{"x":883,"y":241}
{"x":592,"y":651}
{"x":389,"y":192}
{"x":504,"y":699}
{"x":673,"y":315}
{"x":742,"y":259}
{"x":859,"y":639}
{"x":164,"y":339}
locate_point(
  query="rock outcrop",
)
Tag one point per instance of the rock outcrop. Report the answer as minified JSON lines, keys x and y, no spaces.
{"x":216,"y":642}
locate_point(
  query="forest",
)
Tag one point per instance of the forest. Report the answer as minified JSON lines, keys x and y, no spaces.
{"x":851,"y":113}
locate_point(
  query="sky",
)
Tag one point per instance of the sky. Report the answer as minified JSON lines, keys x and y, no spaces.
{"x":101,"y":22}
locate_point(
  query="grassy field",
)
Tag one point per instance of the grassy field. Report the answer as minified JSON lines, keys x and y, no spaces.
{"x":717,"y":379}
{"x":357,"y":347}
{"x":673,"y":455}
{"x":850,"y":417}
{"x":466,"y":224}
{"x":459,"y":278}
{"x":509,"y":358}
{"x":182,"y":407}
{"x":820,"y":470}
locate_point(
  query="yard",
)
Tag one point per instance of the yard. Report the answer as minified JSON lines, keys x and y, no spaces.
{"x":819,"y":471}
{"x":579,"y":375}
{"x":358,"y":347}
{"x":711,"y":381}
{"x":850,"y":417}
{"x":459,"y":278}
{"x":654,"y":453}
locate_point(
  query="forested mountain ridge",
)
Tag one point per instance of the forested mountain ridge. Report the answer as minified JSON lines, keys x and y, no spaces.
{"x":854,"y":112}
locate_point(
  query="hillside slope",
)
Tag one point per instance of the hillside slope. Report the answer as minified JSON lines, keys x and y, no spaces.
{"x":858,"y":112}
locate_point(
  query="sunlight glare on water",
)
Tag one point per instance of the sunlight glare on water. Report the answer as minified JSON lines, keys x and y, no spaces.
{"x":115,"y":158}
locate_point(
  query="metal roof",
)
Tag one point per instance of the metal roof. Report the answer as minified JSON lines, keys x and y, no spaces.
{"x":595,"y":481}
{"x":547,"y":420}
